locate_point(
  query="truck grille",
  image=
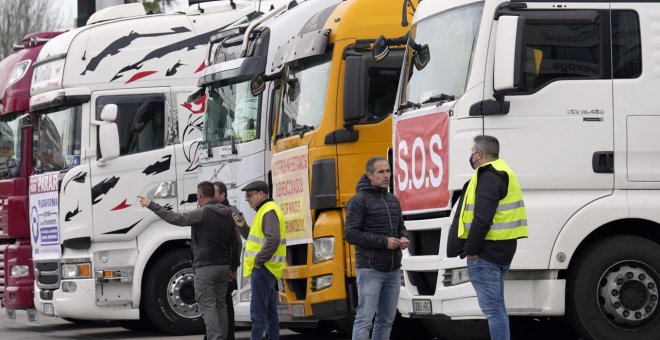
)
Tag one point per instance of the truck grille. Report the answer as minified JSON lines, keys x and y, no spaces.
{"x":296,"y":255}
{"x":298,"y":287}
{"x":424,"y":242}
{"x":47,"y":274}
{"x":426,"y":282}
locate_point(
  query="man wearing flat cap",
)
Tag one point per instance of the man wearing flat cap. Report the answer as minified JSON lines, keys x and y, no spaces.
{"x":265,"y":255}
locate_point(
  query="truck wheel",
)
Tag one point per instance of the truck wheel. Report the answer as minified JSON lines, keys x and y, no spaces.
{"x":612,"y":290}
{"x":445,"y":329}
{"x":168,"y":297}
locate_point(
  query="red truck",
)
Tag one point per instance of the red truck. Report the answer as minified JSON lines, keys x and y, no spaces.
{"x":16,"y":163}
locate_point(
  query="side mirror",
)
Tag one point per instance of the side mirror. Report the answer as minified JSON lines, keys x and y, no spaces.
{"x":380,"y":49}
{"x":196,"y":94}
{"x":509,"y":48}
{"x":422,"y":57}
{"x":293,"y":88}
{"x":257,"y":84}
{"x":108,"y":135}
{"x":25,"y":121}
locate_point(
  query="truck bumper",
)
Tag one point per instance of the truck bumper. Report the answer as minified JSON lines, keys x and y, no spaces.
{"x":81,"y":304}
{"x":522,"y":297}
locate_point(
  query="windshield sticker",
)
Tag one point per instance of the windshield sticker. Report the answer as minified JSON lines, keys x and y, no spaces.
{"x":44,"y":216}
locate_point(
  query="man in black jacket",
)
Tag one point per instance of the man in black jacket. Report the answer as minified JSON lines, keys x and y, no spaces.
{"x":489,"y":219}
{"x":236,"y":246}
{"x":212,"y":229}
{"x":374,"y":224}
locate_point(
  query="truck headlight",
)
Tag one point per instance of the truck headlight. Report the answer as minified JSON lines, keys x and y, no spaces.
{"x":324,"y":249}
{"x":19,"y":271}
{"x":321,"y":282}
{"x":76,"y":270}
{"x":246,"y":296}
{"x":455,"y":276}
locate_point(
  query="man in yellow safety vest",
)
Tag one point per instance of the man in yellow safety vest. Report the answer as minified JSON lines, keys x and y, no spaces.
{"x":265,"y":255}
{"x":490,"y":218}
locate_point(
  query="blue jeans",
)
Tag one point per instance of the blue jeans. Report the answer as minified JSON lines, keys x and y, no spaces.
{"x":488,"y":281}
{"x":263,"y":305}
{"x":378,"y":294}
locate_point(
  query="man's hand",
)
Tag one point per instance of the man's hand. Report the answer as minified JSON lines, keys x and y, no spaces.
{"x":144,"y":201}
{"x":240,"y":220}
{"x":393,"y":243}
{"x":472,"y":257}
{"x":232,"y":276}
{"x":404,"y":243}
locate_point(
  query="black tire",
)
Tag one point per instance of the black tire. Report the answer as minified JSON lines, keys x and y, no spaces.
{"x":137,"y":325}
{"x":618,"y":271}
{"x":445,"y":329}
{"x":344,"y":326}
{"x":168,"y":297}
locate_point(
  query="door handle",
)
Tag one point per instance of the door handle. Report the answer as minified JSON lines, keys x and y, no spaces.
{"x":602,"y":162}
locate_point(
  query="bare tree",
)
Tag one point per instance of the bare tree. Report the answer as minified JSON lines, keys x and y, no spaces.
{"x":21,"y":17}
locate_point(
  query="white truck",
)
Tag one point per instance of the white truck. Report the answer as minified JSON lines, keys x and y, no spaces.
{"x":239,"y":125}
{"x":566,"y":87}
{"x":113,"y":122}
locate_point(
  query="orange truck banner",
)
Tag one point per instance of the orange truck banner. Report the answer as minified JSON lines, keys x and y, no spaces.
{"x":291,"y":192}
{"x":421,"y":160}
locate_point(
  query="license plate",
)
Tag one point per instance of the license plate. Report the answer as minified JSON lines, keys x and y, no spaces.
{"x":422,"y":307}
{"x":298,"y":310}
{"x":48,"y":309}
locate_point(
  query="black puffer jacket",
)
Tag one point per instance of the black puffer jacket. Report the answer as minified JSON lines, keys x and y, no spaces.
{"x":372,"y":216}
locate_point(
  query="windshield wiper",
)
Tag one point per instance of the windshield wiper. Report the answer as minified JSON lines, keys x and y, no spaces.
{"x":301,"y":130}
{"x":442,"y":97}
{"x":408,"y":105}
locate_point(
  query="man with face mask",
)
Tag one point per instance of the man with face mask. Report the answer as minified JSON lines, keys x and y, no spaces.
{"x":487,"y":222}
{"x":212,"y":231}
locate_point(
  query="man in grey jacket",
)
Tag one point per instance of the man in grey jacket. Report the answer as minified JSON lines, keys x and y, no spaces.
{"x":212,"y":232}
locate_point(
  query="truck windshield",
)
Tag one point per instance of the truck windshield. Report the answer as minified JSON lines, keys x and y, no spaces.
{"x":11,"y":139}
{"x":232,"y":113}
{"x":451,"y":37}
{"x":304,"y":92}
{"x":58,"y":139}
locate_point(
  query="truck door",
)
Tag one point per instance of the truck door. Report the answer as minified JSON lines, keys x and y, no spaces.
{"x":558,"y":133}
{"x":146,"y":165}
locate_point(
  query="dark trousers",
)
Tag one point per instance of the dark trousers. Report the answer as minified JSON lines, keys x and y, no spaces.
{"x":230,"y":311}
{"x":263,"y":305}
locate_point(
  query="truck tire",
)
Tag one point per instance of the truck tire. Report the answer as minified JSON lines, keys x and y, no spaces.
{"x":168,"y":296}
{"x":612,"y":290}
{"x":445,"y":329}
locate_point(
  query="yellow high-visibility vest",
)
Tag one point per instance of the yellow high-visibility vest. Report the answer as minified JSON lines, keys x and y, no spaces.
{"x":257,"y":239}
{"x":510,"y":220}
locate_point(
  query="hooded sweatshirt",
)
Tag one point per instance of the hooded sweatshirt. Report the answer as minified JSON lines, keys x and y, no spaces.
{"x":212,"y":231}
{"x":372,"y":216}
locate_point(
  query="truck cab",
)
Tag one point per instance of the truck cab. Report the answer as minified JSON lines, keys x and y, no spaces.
{"x":566,"y":88}
{"x":236,"y":147}
{"x":334,"y":115}
{"x":113,"y":122}
{"x":16,"y":164}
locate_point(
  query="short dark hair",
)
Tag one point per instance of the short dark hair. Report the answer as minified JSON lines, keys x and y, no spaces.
{"x":488,"y":145}
{"x":206,"y":189}
{"x":372,"y":161}
{"x":222,"y":188}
